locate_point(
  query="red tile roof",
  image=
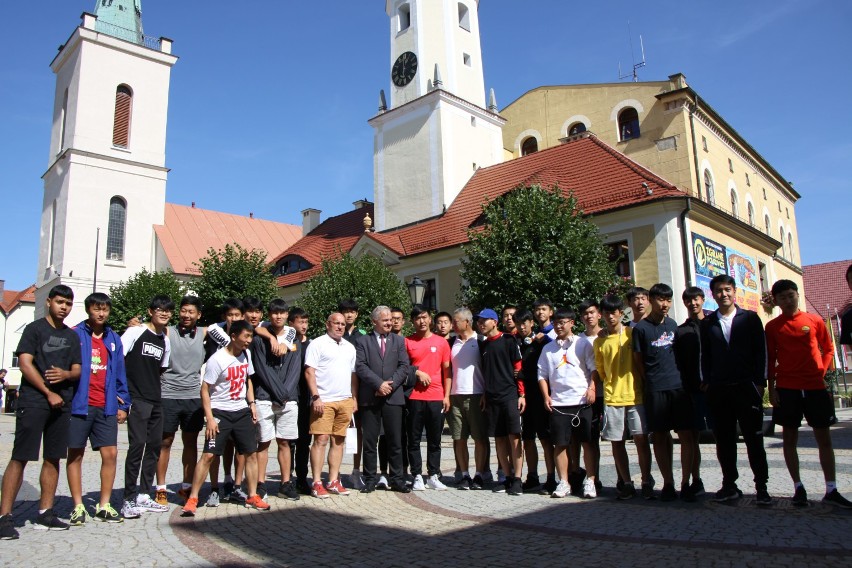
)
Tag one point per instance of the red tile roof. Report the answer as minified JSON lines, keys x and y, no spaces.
{"x":11,"y":299}
{"x":601,"y":178}
{"x":826,"y":289}
{"x":188,"y":233}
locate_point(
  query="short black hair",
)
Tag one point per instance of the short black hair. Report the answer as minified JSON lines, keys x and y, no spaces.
{"x":586,"y":304}
{"x":347,"y":305}
{"x":508,"y":307}
{"x":565,"y":313}
{"x":612,"y":303}
{"x":417,"y":310}
{"x":252,"y":304}
{"x":296,"y":313}
{"x":277,"y":305}
{"x":691,"y":293}
{"x":661,"y":290}
{"x":240,"y":326}
{"x":444,"y":315}
{"x":97,"y":299}
{"x":61,"y":290}
{"x":784,"y":285}
{"x":635,"y":291}
{"x":162,"y":302}
{"x":232,"y":304}
{"x":542,"y":302}
{"x":190,"y":300}
{"x":722,"y":279}
{"x":397,"y":310}
{"x":522,"y":315}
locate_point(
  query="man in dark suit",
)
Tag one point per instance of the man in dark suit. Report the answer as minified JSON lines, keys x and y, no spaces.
{"x":381,"y":365}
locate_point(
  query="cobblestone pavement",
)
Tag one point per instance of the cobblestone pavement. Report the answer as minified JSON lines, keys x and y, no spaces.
{"x":459,"y":528}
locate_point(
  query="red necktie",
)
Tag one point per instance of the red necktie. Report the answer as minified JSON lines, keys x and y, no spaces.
{"x":384,"y":339}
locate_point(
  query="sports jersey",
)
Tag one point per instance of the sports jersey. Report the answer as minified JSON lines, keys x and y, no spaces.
{"x":429,"y":355}
{"x":145,"y":354}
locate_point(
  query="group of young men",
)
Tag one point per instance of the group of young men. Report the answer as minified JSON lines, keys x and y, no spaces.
{"x":520,"y":377}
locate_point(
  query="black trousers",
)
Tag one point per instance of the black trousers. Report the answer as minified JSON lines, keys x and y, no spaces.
{"x":373,"y":418}
{"x":425,"y":413}
{"x":303,"y":443}
{"x":738,"y":404}
{"x":144,"y":437}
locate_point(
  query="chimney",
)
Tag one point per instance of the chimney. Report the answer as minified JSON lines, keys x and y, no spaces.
{"x":361,"y":203}
{"x":310,"y":220}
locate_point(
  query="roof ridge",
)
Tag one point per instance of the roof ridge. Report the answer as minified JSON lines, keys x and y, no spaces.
{"x":633,"y":165}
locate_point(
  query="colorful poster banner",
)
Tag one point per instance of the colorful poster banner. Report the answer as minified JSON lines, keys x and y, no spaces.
{"x":713,"y":259}
{"x":743,"y":269}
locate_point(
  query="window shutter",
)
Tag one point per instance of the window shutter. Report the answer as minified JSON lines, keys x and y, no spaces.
{"x":121,"y":125}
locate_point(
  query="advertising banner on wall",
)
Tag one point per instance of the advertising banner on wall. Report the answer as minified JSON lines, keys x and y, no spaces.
{"x":712,"y":259}
{"x":743,"y":269}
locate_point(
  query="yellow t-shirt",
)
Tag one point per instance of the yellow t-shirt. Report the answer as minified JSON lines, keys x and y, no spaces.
{"x":614,"y":360}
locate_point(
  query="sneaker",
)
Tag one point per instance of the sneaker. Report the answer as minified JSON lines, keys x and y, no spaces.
{"x":626,"y":491}
{"x":575,"y":480}
{"x":648,"y":489}
{"x":477,"y":483}
{"x":531,"y":484}
{"x":256,"y":502}
{"x":227,"y":490}
{"x":727,"y":493}
{"x":107,"y":514}
{"x":800,"y":497}
{"x":488,"y":477}
{"x":336,"y":488}
{"x":548,"y":487}
{"x":212,"y":499}
{"x":356,"y":481}
{"x":145,"y":503}
{"x":130,"y":511}
{"x":288,"y":491}
{"x":7,"y":529}
{"x":318,"y":491}
{"x":238,"y":495}
{"x":686,"y":494}
{"x":500,"y":487}
{"x":302,"y":486}
{"x":162,"y":497}
{"x":418,"y":484}
{"x":668,"y":493}
{"x":465,"y":483}
{"x":184,"y":492}
{"x":562,"y":490}
{"x":261,"y":489}
{"x":48,"y":521}
{"x":589,"y":489}
{"x":78,"y":516}
{"x":763,"y":499}
{"x":383,"y":483}
{"x":190,"y":507}
{"x":697,"y":487}
{"x":836,"y":499}
{"x":501,"y":477}
{"x":434,"y":482}
{"x":514,"y":486}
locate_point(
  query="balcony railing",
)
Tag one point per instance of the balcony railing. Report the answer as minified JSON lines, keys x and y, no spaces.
{"x":128,"y":35}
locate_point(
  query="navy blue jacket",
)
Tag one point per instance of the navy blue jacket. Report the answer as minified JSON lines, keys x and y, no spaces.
{"x":741,"y":361}
{"x":116,"y":377}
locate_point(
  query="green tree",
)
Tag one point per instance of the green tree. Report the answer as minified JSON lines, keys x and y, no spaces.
{"x":233,"y":272}
{"x":365,"y":279}
{"x":132,"y":297}
{"x":534,"y":243}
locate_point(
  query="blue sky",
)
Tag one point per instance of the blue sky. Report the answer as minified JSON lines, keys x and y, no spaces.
{"x":270,"y":99}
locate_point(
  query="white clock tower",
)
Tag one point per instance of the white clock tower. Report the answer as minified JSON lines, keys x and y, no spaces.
{"x":437,"y":130}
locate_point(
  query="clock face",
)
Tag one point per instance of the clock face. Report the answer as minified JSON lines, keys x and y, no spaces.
{"x":404,"y":69}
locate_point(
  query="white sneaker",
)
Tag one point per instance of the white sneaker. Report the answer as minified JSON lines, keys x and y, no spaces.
{"x":383,"y":483}
{"x":589,"y":491}
{"x":562,"y":489}
{"x":130,"y":511}
{"x":434,"y":482}
{"x":145,"y":503}
{"x":418,"y":484}
{"x":356,"y":481}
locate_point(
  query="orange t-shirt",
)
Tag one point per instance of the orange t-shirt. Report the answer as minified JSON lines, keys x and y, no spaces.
{"x":799,"y":351}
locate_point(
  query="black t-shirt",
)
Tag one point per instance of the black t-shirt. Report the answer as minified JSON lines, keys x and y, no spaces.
{"x":846,"y":328}
{"x":530,"y":352}
{"x":49,"y":347}
{"x":656,"y":344}
{"x":688,"y":354}
{"x":499,"y":355}
{"x":145,"y":354}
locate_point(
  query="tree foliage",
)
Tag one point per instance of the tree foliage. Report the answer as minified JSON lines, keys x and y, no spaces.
{"x":534,"y":243}
{"x":132,"y":297}
{"x":233,"y":272}
{"x":365,"y":279}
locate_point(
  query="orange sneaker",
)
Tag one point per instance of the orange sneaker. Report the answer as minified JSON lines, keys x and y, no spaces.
{"x":183,"y":493}
{"x":337,"y":488}
{"x":256,"y":502}
{"x":317,"y":490}
{"x":162,"y":497}
{"x":190,"y":506}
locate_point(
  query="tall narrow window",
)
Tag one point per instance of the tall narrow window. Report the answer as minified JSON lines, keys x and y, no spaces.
{"x":708,"y":187}
{"x":51,"y":233}
{"x":529,"y":145}
{"x":62,"y":121}
{"x":628,"y":124}
{"x":619,"y":253}
{"x":767,"y":224}
{"x":750,"y":214}
{"x":735,"y":209}
{"x":404,"y":17}
{"x":464,"y":17}
{"x":121,"y":123}
{"x":116,"y":229}
{"x":790,"y":245}
{"x":783,"y":243}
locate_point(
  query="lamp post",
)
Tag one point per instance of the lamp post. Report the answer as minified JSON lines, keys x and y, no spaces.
{"x":416,"y":291}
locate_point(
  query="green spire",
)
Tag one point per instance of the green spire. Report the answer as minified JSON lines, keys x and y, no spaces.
{"x":120,"y":18}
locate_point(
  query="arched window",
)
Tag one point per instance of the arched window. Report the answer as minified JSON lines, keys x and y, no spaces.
{"x":464,"y":17}
{"x":735,"y":209}
{"x":62,"y":121}
{"x":404,"y":17}
{"x":768,"y":224}
{"x":121,"y":122}
{"x":529,"y":145}
{"x":790,"y":245}
{"x":708,"y":187}
{"x":783,"y":243}
{"x":576,"y":128}
{"x":116,"y":229}
{"x":628,"y":124}
{"x":750,"y":214}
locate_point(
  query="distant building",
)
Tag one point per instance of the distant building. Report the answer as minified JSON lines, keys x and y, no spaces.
{"x":17,"y":309}
{"x":828,"y":295}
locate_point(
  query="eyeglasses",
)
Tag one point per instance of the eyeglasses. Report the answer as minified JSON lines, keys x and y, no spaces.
{"x":561,"y":323}
{"x":162,"y":311}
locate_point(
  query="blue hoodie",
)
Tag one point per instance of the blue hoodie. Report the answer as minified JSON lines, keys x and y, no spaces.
{"x":116,"y":378}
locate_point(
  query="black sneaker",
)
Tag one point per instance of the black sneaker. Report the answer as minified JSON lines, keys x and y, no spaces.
{"x":228,"y":491}
{"x":763,"y":499}
{"x":836,"y":499}
{"x":515,"y":487}
{"x":261,"y":489}
{"x":686,"y":494}
{"x":477,"y":483}
{"x":697,"y":487}
{"x":501,"y":487}
{"x":648,"y":489}
{"x":531,"y":484}
{"x":548,"y":487}
{"x":575,"y":480}
{"x":727,"y":493}
{"x":287,"y":491}
{"x":48,"y":521}
{"x":800,"y":497}
{"x":464,"y":484}
{"x":668,"y":493}
{"x":302,"y":486}
{"x":7,"y":529}
{"x":626,"y":491}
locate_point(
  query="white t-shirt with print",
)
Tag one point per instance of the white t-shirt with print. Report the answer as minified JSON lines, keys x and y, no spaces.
{"x":227,"y":376}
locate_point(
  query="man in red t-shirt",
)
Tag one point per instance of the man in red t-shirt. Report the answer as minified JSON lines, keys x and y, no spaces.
{"x":800,"y":350}
{"x":430,"y":400}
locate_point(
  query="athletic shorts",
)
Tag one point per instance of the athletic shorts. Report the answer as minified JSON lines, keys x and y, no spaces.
{"x":617,"y":417}
{"x":34,"y":426}
{"x":503,"y":417}
{"x":535,"y":420}
{"x":335,"y":418}
{"x":668,"y":410}
{"x":100,"y":430}
{"x":275,"y":421}
{"x":571,"y":424}
{"x":466,"y":418}
{"x":816,"y":406}
{"x":185,"y":413}
{"x":236,"y":425}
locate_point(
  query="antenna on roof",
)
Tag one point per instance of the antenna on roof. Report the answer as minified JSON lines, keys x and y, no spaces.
{"x":636,"y":66}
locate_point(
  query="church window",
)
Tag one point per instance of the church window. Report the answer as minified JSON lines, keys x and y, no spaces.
{"x":52,"y":234}
{"x":708,"y":187}
{"x":464,"y":17}
{"x":116,"y":229}
{"x":121,"y":122}
{"x":404,"y":15}
{"x":628,"y":124}
{"x":529,"y":145}
{"x":576,"y":128}
{"x":62,"y":120}
{"x":466,"y":59}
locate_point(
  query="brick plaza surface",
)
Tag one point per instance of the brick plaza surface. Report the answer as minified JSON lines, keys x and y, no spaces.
{"x":457,"y":528}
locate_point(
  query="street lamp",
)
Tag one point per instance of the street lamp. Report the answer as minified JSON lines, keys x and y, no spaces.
{"x":416,"y":291}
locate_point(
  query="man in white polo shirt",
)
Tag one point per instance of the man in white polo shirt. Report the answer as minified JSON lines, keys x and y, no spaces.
{"x":330,"y":376}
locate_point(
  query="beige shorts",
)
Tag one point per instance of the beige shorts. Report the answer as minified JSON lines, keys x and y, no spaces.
{"x":335,"y":418}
